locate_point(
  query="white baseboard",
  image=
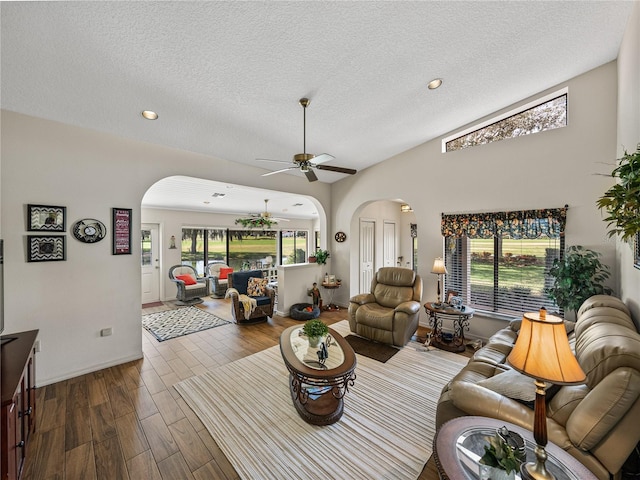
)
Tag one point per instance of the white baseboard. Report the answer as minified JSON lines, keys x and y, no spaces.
{"x":93,"y":368}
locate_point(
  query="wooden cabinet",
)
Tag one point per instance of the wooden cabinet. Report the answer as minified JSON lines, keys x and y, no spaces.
{"x":17,"y":376}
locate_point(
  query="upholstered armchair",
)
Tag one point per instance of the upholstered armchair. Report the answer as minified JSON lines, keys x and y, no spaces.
{"x":252,"y":299}
{"x":390,"y":312}
{"x":190,"y":287}
{"x":218,"y":278}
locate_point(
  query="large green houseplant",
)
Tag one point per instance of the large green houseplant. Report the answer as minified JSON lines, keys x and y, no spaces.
{"x":576,"y":277}
{"x":622,"y":201}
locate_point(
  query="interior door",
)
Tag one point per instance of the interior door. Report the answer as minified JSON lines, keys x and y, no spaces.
{"x":389,"y":244}
{"x":367,"y":253}
{"x":150,"y":263}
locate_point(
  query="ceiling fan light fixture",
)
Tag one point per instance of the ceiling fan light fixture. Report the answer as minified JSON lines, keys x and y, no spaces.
{"x":435,"y":83}
{"x":149,"y":114}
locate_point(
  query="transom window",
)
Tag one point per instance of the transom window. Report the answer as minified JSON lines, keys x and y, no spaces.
{"x":546,"y":113}
{"x":499,"y":262}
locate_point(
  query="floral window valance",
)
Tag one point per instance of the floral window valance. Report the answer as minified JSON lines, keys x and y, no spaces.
{"x":518,"y":224}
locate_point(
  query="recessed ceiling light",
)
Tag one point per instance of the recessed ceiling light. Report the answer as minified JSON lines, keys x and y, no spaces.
{"x":435,"y":83}
{"x":206,"y":202}
{"x":149,"y":115}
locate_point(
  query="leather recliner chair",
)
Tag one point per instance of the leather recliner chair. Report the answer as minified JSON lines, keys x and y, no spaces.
{"x":390,"y":312}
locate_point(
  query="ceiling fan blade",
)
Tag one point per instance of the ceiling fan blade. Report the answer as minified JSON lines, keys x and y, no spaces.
{"x":278,"y":219}
{"x":311,"y":176}
{"x":323,"y":157}
{"x":329,"y":168}
{"x":278,"y":171}
{"x":272,"y":161}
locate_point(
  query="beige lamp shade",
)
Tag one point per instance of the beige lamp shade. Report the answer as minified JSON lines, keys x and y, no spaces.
{"x":542,"y":351}
{"x":438,"y":267}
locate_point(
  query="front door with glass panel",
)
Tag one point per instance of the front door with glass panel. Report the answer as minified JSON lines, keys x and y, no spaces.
{"x":150,"y":264}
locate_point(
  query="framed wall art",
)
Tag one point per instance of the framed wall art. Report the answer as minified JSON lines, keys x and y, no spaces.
{"x":121,"y":228}
{"x":46,"y":248}
{"x":46,"y":218}
{"x":636,"y":251}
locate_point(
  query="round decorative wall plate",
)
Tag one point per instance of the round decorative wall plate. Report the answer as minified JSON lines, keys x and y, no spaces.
{"x":89,"y":230}
{"x":341,"y":237}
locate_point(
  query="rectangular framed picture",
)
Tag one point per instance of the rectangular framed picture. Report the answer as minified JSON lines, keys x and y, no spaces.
{"x":121,"y":228}
{"x":46,"y":218}
{"x":636,"y":251}
{"x":332,"y":279}
{"x":46,"y":248}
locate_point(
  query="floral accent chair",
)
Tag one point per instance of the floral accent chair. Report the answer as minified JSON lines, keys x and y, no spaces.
{"x":191,"y":289}
{"x":252,"y":299}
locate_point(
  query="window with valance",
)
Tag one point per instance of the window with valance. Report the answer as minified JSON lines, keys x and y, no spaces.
{"x":498,"y":261}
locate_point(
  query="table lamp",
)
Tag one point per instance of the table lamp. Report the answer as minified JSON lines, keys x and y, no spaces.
{"x":439,"y":269}
{"x":542,"y":352}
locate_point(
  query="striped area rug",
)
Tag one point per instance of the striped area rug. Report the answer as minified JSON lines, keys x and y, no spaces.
{"x":386,"y":430}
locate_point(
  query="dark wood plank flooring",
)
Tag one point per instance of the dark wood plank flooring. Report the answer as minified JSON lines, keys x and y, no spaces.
{"x":128,"y":422}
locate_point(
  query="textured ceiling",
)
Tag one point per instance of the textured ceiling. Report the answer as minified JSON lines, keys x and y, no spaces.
{"x":225,"y":77}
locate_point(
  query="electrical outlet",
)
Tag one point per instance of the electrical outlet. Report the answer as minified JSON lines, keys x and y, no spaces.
{"x":36,"y":346}
{"x":105,"y":332}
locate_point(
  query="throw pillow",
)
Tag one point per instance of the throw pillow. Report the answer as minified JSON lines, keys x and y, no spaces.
{"x":256,"y":287}
{"x":224,"y":273}
{"x":517,"y":386}
{"x":187,"y":279}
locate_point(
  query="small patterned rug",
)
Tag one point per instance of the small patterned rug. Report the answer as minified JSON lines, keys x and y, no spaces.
{"x":179,"y":322}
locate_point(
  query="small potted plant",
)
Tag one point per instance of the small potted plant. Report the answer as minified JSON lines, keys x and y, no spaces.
{"x":502,"y":456}
{"x":315,"y":329}
{"x":321,"y":256}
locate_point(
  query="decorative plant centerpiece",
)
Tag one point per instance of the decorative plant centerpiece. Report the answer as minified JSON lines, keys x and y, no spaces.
{"x":257,"y":222}
{"x":321,"y":256}
{"x":504,"y":454}
{"x":622,"y":201}
{"x":576,"y":277}
{"x":314,"y":330}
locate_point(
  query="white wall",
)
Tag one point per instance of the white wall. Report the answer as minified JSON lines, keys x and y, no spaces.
{"x":628,"y":138}
{"x":90,"y":172}
{"x":545,"y":170}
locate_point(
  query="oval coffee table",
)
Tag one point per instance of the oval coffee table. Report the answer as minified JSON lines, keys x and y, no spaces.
{"x":317,"y":390}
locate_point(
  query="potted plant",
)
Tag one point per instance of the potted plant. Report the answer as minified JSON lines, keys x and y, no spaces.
{"x":321,"y":256}
{"x":576,"y":277}
{"x":622,"y":201}
{"x":501,"y":457}
{"x":315,"y":329}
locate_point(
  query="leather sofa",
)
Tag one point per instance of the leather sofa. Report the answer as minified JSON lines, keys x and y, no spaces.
{"x":390,"y":312}
{"x":597,"y":422}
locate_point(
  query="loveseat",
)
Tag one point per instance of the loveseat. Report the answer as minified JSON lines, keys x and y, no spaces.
{"x":597,"y":422}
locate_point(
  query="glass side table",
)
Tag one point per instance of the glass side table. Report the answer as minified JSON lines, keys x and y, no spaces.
{"x":459,"y":444}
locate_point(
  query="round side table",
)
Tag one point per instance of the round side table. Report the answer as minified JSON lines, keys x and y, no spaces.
{"x":459,"y":444}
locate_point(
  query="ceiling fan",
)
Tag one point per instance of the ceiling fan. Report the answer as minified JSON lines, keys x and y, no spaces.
{"x":304,"y":161}
{"x":267,"y":215}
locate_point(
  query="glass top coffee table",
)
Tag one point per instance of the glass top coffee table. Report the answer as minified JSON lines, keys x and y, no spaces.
{"x":318,"y":385}
{"x":459,"y":444}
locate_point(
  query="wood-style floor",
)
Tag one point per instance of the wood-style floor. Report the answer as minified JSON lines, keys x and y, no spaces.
{"x":128,"y":422}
